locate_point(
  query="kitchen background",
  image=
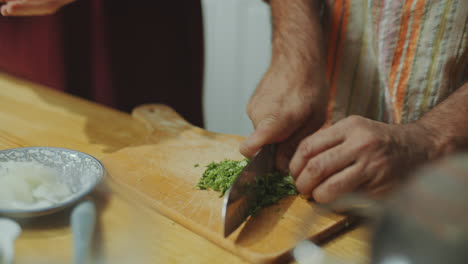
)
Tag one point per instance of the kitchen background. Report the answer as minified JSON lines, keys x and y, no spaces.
{"x":203,"y":58}
{"x":238,"y":49}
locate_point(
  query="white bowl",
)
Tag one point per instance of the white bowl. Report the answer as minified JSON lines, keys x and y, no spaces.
{"x":79,"y":171}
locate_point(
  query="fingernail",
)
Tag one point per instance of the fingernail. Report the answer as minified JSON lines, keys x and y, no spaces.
{"x":248,"y":147}
{"x":250,"y":141}
{"x":244,"y":148}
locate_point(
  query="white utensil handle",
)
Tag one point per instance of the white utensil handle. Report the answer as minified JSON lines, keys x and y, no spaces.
{"x":8,"y":251}
{"x":83,"y":220}
{"x":9,"y":231}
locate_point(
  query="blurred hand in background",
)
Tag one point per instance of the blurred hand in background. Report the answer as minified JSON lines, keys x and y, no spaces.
{"x":31,"y":7}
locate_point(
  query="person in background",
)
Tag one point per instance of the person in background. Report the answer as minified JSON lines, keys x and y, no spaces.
{"x":117,"y":54}
{"x":31,"y":7}
{"x":360,"y":92}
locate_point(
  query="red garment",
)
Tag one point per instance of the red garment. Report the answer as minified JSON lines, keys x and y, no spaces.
{"x":31,"y":48}
{"x":116,"y":54}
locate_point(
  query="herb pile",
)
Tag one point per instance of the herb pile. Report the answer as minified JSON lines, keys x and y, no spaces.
{"x":271,"y":188}
{"x":219,"y":176}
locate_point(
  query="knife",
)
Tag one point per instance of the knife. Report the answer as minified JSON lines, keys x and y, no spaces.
{"x":239,"y":197}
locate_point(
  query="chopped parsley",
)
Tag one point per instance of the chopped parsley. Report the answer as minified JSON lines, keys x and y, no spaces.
{"x":271,"y":188}
{"x":219,"y":176}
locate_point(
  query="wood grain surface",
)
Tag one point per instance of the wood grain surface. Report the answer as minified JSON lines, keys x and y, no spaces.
{"x":128,"y":231}
{"x":162,"y":174}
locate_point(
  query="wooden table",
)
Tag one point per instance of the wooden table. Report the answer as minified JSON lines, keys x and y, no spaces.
{"x":31,"y":115}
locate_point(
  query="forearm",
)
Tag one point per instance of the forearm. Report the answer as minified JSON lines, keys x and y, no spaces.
{"x":290,"y":100}
{"x":448,"y":123}
{"x":297,"y":37}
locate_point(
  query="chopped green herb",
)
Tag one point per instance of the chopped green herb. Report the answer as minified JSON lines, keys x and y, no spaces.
{"x":196,"y":165}
{"x":271,"y":188}
{"x":219,"y":176}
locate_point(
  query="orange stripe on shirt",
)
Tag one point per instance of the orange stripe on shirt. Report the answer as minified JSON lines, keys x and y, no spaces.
{"x":334,"y":72}
{"x":333,"y":35}
{"x":408,"y":60}
{"x":404,"y":23}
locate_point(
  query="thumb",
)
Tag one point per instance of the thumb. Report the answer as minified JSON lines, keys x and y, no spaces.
{"x":269,"y":130}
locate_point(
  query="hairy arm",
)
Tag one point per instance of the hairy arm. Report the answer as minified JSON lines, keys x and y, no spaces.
{"x":448,"y":123}
{"x":290,"y":101}
{"x":297,"y":35}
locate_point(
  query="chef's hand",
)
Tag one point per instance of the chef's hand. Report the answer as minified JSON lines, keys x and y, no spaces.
{"x":290,"y":101}
{"x":285,"y":107}
{"x":31,"y":7}
{"x":358,"y":154}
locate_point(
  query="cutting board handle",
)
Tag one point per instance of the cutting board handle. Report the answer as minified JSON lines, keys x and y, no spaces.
{"x":162,"y":118}
{"x":164,"y":122}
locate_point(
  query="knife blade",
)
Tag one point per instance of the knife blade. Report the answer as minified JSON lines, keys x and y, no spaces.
{"x":239,"y":197}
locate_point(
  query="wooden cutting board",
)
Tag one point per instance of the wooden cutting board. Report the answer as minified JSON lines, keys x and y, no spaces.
{"x":162,"y":174}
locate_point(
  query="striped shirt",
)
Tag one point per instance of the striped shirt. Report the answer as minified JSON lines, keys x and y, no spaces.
{"x":394,"y":60}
